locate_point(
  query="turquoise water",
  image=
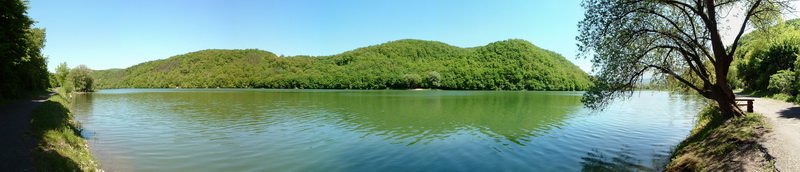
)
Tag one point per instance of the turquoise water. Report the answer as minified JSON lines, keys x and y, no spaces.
{"x":378,"y":130}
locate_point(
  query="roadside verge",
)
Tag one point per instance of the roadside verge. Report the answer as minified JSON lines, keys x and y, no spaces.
{"x":59,"y":145}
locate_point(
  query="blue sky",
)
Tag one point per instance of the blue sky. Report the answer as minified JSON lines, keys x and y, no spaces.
{"x":119,"y":34}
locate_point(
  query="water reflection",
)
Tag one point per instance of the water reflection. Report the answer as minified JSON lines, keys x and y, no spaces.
{"x":353,"y":130}
{"x":428,"y":116}
{"x":404,"y":117}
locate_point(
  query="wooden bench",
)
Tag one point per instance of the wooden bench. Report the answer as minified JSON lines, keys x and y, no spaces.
{"x":749,"y":104}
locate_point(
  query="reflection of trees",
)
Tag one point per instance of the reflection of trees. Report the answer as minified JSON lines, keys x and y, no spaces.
{"x":414,"y":117}
{"x":80,"y":104}
{"x":622,"y":160}
{"x":402,"y":117}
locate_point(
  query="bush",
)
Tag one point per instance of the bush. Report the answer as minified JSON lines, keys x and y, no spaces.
{"x":61,"y":74}
{"x":783,"y":82}
{"x":797,"y":99}
{"x":783,"y":97}
{"x":766,"y":55}
{"x":80,"y":79}
{"x":434,"y":79}
{"x":412,"y":80}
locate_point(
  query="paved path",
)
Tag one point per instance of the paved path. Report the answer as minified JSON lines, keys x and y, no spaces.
{"x":783,"y":142}
{"x":15,"y":141}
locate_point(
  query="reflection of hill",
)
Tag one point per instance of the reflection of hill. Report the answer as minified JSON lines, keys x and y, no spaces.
{"x":407,"y":117}
{"x":425,"y":116}
{"x":363,"y":130}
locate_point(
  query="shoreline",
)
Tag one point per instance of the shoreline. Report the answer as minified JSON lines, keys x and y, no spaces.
{"x":59,"y":144}
{"x":717,"y":144}
{"x":761,"y":141}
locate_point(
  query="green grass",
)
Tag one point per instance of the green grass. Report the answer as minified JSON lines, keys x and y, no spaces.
{"x":773,"y":95}
{"x":714,"y":140}
{"x":758,"y":93}
{"x":60,"y":146}
{"x":782,"y":97}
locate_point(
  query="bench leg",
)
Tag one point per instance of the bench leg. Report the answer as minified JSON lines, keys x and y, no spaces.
{"x":750,"y":107}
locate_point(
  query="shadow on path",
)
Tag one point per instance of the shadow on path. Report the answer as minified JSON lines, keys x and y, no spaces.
{"x":16,"y":143}
{"x":783,"y":140}
{"x":792,"y":112}
{"x":53,"y":117}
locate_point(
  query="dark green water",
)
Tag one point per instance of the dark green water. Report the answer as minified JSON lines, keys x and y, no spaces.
{"x":359,"y":130}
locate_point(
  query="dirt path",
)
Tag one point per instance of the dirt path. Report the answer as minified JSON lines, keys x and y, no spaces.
{"x":783,"y":142}
{"x":15,"y":142}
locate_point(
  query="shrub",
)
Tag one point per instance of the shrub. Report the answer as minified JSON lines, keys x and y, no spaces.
{"x":434,"y":79}
{"x":412,"y":80}
{"x":80,"y":79}
{"x":783,"y":97}
{"x":783,"y":82}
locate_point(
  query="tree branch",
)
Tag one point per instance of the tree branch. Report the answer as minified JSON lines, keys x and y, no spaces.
{"x":744,"y":25}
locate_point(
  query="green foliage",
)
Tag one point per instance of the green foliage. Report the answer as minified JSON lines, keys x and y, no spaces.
{"x":503,"y":65}
{"x":767,"y":51}
{"x":795,"y":99}
{"x":714,"y":139}
{"x":53,"y":81}
{"x":733,"y":80}
{"x":110,"y":78}
{"x":768,"y":65}
{"x":80,"y":79}
{"x":61,"y":74}
{"x":60,"y":146}
{"x":412,"y":80}
{"x":23,"y":68}
{"x":434,"y":79}
{"x":627,"y":39}
{"x":782,"y":97}
{"x":784,"y":82}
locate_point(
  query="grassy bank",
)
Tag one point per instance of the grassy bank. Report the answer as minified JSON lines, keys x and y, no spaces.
{"x":716,"y":144}
{"x":60,"y":146}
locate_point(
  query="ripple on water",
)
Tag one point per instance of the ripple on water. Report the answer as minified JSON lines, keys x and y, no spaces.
{"x":279,"y":130}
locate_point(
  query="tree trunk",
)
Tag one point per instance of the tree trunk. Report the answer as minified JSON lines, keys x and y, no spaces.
{"x":721,"y":91}
{"x":728,"y":107}
{"x":723,"y":95}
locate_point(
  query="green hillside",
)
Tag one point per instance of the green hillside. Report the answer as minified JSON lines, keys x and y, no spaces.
{"x":503,"y":65}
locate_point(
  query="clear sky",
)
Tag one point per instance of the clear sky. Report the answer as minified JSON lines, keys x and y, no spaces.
{"x":105,"y":34}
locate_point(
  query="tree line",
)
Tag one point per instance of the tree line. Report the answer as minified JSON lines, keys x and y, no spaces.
{"x":768,"y":61}
{"x":23,"y":68}
{"x":78,"y":79}
{"x":403,"y":64}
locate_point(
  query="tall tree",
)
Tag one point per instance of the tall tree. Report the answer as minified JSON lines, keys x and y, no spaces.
{"x":681,"y":39}
{"x":34,"y":65}
{"x":80,"y":79}
{"x":22,"y":67}
{"x":61,"y":74}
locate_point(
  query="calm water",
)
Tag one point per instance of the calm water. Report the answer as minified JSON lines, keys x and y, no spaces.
{"x":347,"y":130}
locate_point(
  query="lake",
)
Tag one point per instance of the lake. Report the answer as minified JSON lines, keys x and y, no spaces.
{"x":378,"y":130}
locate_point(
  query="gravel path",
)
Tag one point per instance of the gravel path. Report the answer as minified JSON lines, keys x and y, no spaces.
{"x":15,"y":142}
{"x":783,"y":142}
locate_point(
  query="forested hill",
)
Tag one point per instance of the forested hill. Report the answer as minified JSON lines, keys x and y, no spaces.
{"x":503,"y":65}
